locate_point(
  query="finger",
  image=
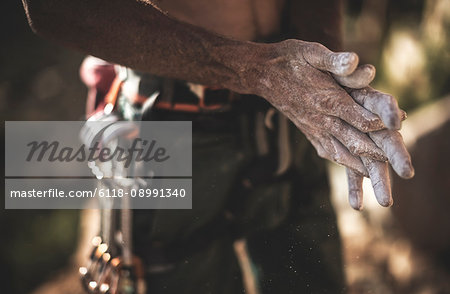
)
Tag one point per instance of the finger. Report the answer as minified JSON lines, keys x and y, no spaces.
{"x":343,"y":106}
{"x":339,"y":63}
{"x":355,"y":141}
{"x":379,"y":175}
{"x":391,"y":142}
{"x":327,"y":150}
{"x":341,"y":155}
{"x":330,"y":148}
{"x":355,"y":191}
{"x":360,"y":78}
{"x":384,"y":105}
{"x":344,"y":157}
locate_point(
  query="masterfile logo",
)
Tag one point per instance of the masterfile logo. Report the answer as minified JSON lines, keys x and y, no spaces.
{"x":149,"y":151}
{"x":54,"y":149}
{"x":75,"y":165}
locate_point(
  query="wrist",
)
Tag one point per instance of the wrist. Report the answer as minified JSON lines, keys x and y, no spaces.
{"x":259,"y":68}
{"x":251,"y":64}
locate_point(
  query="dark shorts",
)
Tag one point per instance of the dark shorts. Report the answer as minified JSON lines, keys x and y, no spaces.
{"x":287,"y":222}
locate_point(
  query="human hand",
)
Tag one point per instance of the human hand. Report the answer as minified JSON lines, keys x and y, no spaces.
{"x":389,"y":140}
{"x":299,"y":84}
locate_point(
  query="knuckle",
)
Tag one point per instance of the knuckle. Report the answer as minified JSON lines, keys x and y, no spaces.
{"x":364,"y":126}
{"x":329,"y":122}
{"x":353,"y":148}
{"x":356,"y":146}
{"x":289,"y":43}
{"x":329,"y":103}
{"x":316,"y":47}
{"x":339,"y":158}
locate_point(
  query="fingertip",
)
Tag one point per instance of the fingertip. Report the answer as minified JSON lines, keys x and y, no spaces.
{"x":383,"y":195}
{"x":355,"y":191}
{"x":390,"y":203}
{"x":370,"y":69}
{"x":387,"y":203}
{"x":356,"y":204}
{"x":410,"y":175}
{"x":370,"y":72}
{"x":402,"y":165}
{"x":344,"y":63}
{"x":408,"y":172}
{"x":360,"y":78}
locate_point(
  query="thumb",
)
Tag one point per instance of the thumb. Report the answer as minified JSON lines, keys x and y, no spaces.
{"x":338,"y":63}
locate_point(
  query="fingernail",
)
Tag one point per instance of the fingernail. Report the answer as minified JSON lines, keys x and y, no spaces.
{"x":403,"y":115}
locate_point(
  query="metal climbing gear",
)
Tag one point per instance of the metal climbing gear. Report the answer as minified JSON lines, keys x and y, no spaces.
{"x":112,"y":268}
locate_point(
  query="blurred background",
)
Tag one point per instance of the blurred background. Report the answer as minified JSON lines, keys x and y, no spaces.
{"x":405,"y":249}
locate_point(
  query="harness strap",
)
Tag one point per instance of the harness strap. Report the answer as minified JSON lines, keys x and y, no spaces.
{"x":113,"y":94}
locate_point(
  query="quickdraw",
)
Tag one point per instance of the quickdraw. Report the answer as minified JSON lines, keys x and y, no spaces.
{"x":112,"y":268}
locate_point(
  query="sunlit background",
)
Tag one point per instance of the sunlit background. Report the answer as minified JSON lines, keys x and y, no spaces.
{"x":405,"y":249}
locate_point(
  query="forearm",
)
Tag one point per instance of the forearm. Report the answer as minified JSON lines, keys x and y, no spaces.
{"x":140,"y":36}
